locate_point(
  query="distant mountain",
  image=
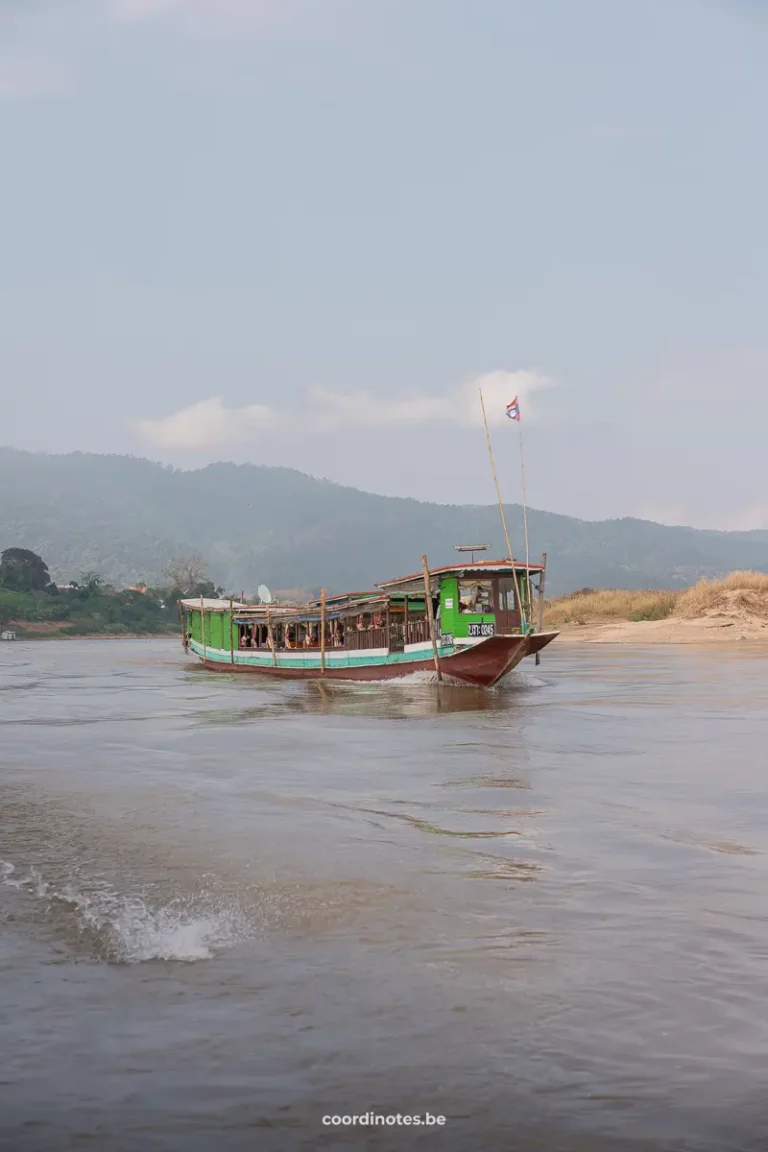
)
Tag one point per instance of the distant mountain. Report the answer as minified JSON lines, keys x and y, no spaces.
{"x":125,"y":517}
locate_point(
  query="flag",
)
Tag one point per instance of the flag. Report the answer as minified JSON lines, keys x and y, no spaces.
{"x":513,"y":409}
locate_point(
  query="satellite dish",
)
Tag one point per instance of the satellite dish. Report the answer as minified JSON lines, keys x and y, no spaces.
{"x":264,"y":594}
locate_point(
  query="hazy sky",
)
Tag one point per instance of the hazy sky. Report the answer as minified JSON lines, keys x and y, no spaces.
{"x":297,"y":232}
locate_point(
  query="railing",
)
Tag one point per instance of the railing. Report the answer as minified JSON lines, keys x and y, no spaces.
{"x":417,"y":632}
{"x":358,"y":641}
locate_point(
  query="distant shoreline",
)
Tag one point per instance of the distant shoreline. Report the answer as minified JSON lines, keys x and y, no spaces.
{"x":40,"y":637}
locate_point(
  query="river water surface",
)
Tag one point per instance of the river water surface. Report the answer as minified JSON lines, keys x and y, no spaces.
{"x":231,"y":907}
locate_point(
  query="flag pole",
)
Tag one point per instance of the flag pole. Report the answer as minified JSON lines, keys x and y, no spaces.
{"x":501,"y":510}
{"x":525,"y":506}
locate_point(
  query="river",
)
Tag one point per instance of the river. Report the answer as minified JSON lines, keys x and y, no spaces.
{"x":231,"y":908}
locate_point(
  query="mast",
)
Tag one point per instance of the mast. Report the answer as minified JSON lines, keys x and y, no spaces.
{"x":518,"y":597}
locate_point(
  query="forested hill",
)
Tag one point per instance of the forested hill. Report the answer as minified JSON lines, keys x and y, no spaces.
{"x":125,"y":518}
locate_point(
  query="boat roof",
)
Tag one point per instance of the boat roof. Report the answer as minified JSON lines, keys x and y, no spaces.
{"x":212,"y":605}
{"x":347,"y":596}
{"x":479,"y":568}
{"x":343,"y":603}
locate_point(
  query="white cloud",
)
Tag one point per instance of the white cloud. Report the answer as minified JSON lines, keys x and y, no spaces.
{"x":499,"y":389}
{"x":363,"y":410}
{"x":209,"y":424}
{"x":459,"y":406}
{"x":205,"y":425}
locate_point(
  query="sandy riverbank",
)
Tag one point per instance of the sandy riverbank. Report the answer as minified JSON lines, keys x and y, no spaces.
{"x":669,"y":631}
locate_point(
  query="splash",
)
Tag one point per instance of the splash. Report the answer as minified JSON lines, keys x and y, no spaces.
{"x":408,"y":681}
{"x":514,"y":679}
{"x":518,"y":679}
{"x":125,"y":929}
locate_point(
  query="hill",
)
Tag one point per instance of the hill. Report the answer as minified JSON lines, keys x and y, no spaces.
{"x":125,"y":517}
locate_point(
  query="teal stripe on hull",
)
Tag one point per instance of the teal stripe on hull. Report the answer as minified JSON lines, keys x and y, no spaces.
{"x":263,"y":659}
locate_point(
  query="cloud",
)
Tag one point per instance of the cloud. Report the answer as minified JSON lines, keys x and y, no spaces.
{"x":210,"y":425}
{"x":363,"y":410}
{"x":459,"y":406}
{"x":499,"y":389}
{"x":206,"y":425}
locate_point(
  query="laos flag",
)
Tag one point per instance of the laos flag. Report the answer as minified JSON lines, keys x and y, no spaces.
{"x":513,"y":409}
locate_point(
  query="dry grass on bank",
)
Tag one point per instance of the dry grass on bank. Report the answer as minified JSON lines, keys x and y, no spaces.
{"x":595,"y":604}
{"x":739,"y":592}
{"x":742,"y":594}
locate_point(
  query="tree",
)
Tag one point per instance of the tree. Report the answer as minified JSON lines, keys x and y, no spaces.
{"x":23,"y":571}
{"x":91,"y":583}
{"x":208,"y":589}
{"x":186,"y":573}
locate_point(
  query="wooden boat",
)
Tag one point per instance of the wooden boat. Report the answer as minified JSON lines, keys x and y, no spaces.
{"x":471,"y":622}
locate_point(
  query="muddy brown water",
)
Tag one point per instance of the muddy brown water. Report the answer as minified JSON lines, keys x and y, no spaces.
{"x":230,"y":908}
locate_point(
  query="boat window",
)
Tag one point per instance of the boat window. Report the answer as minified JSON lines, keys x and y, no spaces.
{"x":475,"y":596}
{"x":507,"y":598}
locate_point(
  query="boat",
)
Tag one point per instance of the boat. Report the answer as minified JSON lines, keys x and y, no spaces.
{"x":472,"y":622}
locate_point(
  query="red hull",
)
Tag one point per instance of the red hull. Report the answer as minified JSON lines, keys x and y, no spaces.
{"x":481,"y":665}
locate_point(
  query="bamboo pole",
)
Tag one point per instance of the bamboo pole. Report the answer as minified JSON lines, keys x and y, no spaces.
{"x":495,"y":477}
{"x":525,"y":498}
{"x":431,"y":616}
{"x":541,"y":601}
{"x":202,"y":623}
{"x":541,"y":590}
{"x":322,"y":630}
{"x":503,"y":517}
{"x":271,"y":638}
{"x":231,"y":632}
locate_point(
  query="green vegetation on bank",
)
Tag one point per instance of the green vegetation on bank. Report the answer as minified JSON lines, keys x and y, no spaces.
{"x":33,"y":606}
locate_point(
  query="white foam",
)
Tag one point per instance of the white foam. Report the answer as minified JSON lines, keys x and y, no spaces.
{"x":519,"y":679}
{"x":421,"y":677}
{"x":128,"y":930}
{"x":513,"y":679}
